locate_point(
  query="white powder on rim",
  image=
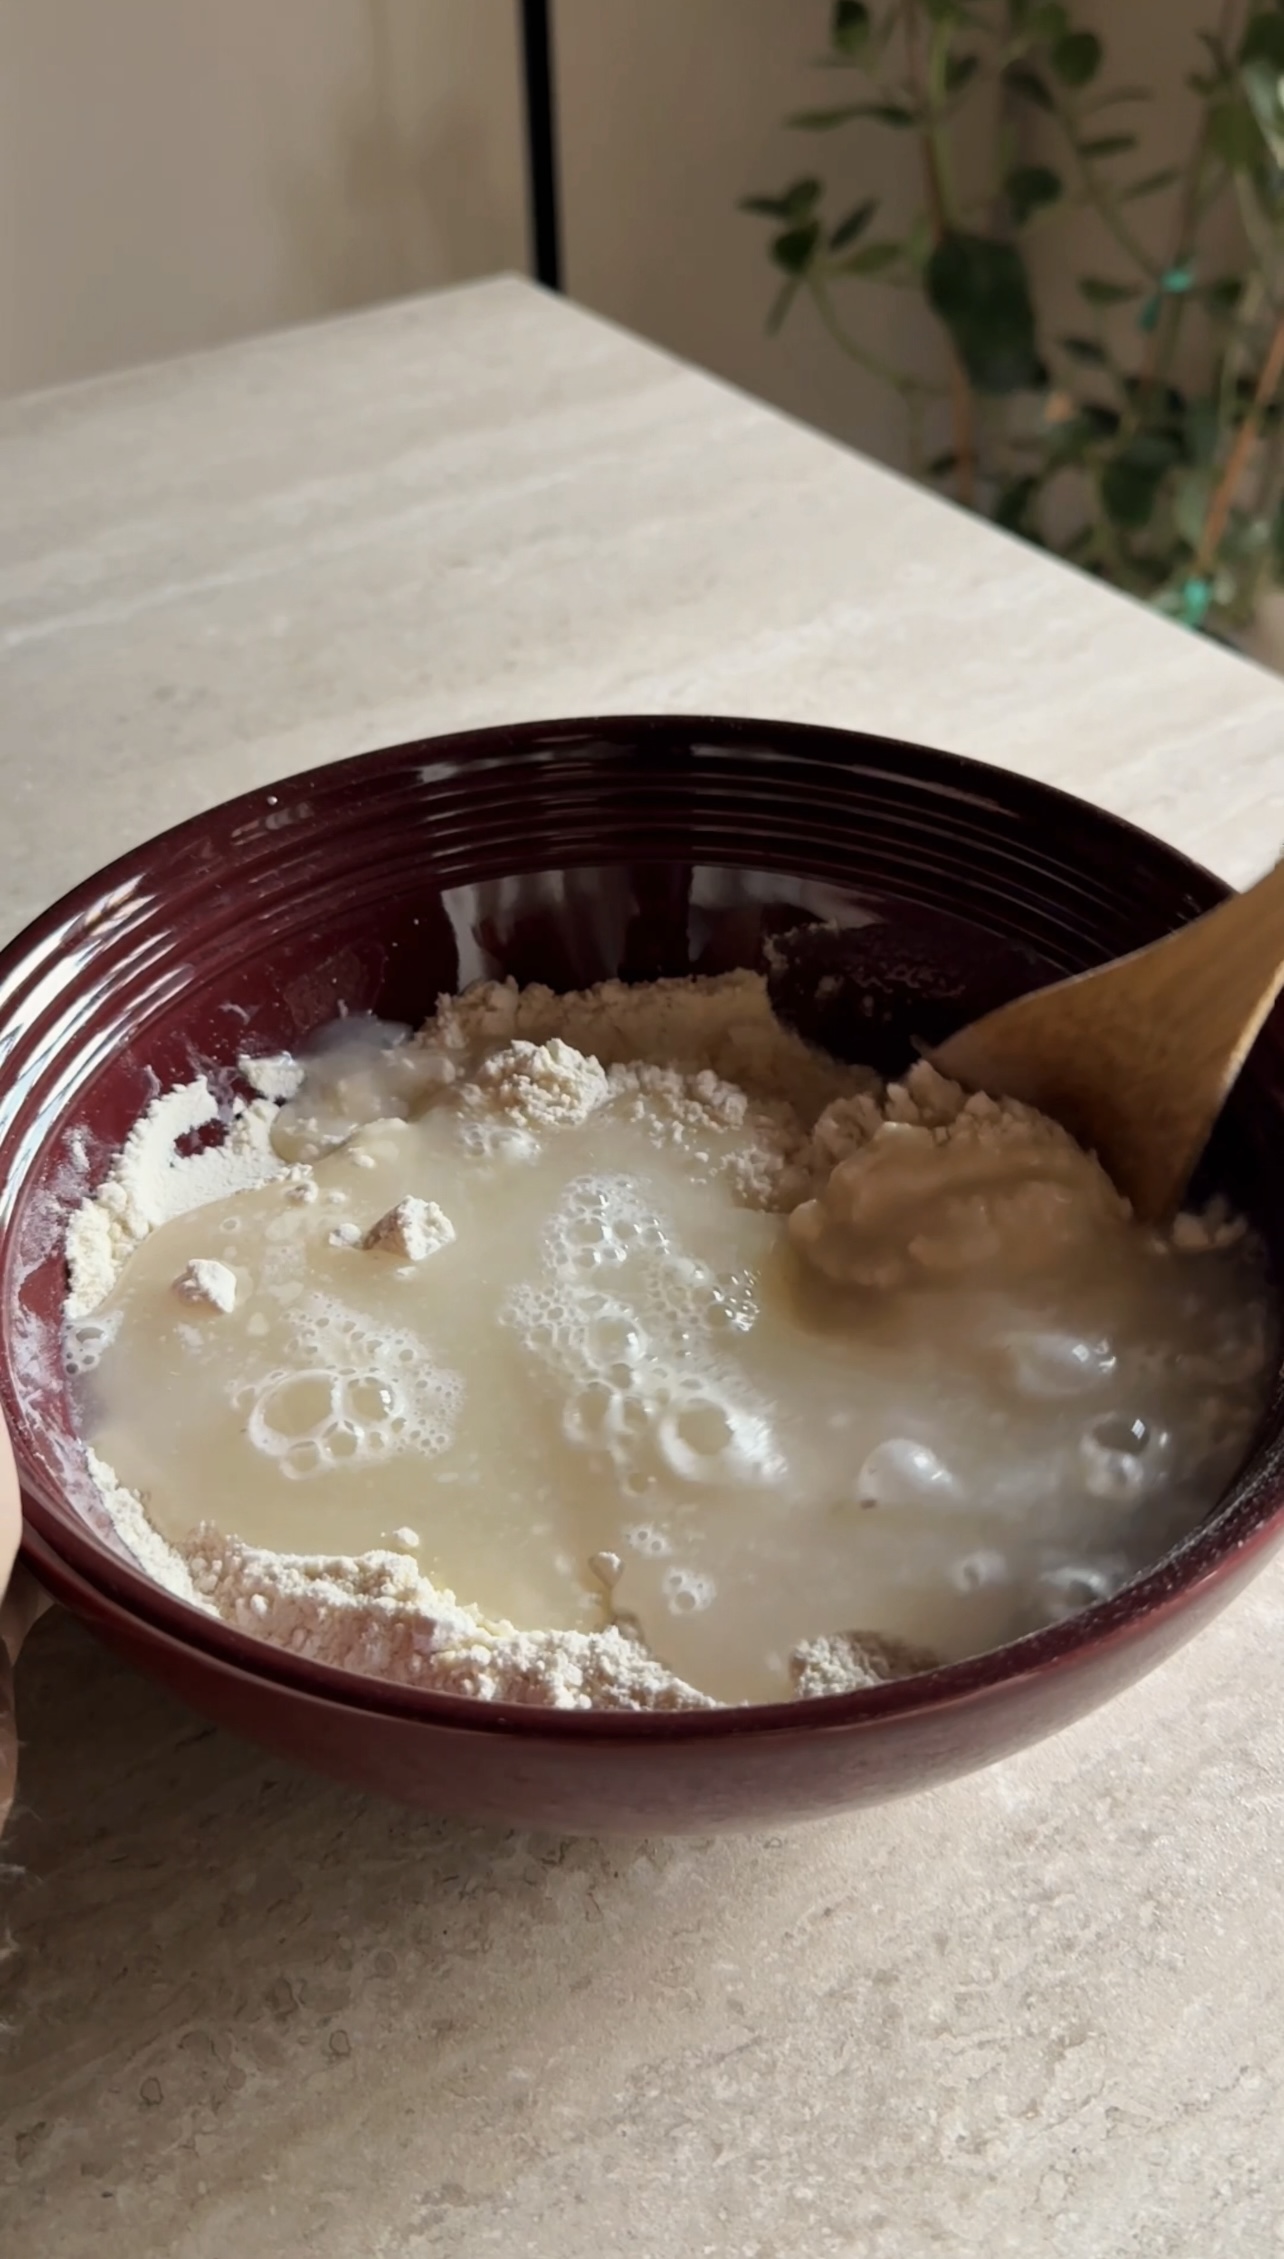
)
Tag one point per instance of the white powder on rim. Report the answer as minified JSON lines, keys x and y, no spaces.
{"x":277,"y":1078}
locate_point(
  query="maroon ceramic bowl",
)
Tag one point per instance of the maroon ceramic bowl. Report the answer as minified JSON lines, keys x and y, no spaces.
{"x":567,"y":852}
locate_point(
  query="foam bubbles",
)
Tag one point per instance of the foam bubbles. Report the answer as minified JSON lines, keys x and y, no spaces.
{"x":1120,"y":1457}
{"x":686,"y":1592}
{"x":986,"y":1570}
{"x":1064,"y":1590}
{"x":366,"y":1393}
{"x":86,"y":1340}
{"x":901,"y":1472}
{"x":704,"y":1438}
{"x":630,"y":1326}
{"x":650,"y":1542}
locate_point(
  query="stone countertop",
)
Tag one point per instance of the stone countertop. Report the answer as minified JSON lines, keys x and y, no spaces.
{"x":1035,"y":2012}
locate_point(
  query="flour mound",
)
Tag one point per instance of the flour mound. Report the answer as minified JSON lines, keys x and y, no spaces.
{"x":883,"y":1187}
{"x":413,"y":1230}
{"x":847,"y":1662}
{"x":151,"y":1181}
{"x":541,"y":1085}
{"x":375,"y":1613}
{"x":208,"y":1284}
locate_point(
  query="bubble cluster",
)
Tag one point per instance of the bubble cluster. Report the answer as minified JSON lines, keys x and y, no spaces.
{"x":629,"y":1326}
{"x":86,"y":1340}
{"x":686,"y":1592}
{"x":361,"y":1394}
{"x":652,"y":1543}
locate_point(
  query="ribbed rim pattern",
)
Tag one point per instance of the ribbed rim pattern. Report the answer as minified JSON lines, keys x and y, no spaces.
{"x":926,"y":829}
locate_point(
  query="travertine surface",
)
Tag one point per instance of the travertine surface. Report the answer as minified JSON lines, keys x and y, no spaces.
{"x":1037,"y":2012}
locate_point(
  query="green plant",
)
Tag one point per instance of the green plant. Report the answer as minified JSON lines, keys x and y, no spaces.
{"x":1147,"y":443}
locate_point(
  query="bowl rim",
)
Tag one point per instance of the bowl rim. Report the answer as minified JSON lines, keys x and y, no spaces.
{"x":1197,"y":1565}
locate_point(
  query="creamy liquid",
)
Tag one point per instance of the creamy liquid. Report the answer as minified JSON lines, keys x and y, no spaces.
{"x":619,"y":1391}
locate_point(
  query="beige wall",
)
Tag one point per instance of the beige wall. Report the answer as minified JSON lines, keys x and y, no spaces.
{"x":178,"y":172}
{"x":671,"y":110}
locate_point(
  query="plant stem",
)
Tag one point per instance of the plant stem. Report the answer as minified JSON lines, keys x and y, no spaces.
{"x":1100,"y":198}
{"x":936,"y":189}
{"x":1161,"y":345}
{"x":1223,"y":496}
{"x":900,"y":379}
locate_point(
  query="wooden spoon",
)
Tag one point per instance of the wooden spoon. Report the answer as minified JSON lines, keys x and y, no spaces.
{"x":1138,"y":1059}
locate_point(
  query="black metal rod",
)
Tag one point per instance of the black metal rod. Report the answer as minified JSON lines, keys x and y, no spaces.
{"x":541,"y":142}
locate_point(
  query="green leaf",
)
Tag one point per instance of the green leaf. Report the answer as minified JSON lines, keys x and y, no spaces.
{"x":1049,"y":22}
{"x":1150,"y":184}
{"x":1130,"y":480}
{"x":1128,"y":497}
{"x":1028,"y":84}
{"x":855,"y":224}
{"x":1263,"y":42}
{"x":960,"y":70}
{"x":978,"y":287}
{"x":1076,"y":58}
{"x":797,"y":202}
{"x":1233,"y":135}
{"x":1216,"y":52}
{"x":1099,"y":291}
{"x":1069,"y":442}
{"x":824,"y":121}
{"x":871,"y":259}
{"x":1154,"y":451}
{"x":1085,"y":349}
{"x":1262,"y":86}
{"x":1107,"y":145}
{"x":781,"y":304}
{"x":1029,"y":188}
{"x":801,"y":198}
{"x":849,"y":26}
{"x":795,"y":250}
{"x":1160,"y":402}
{"x":1222,"y":295}
{"x":1081,"y":435}
{"x":1012,"y":504}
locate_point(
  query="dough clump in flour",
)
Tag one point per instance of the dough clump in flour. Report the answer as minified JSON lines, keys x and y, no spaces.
{"x":785,"y":1199}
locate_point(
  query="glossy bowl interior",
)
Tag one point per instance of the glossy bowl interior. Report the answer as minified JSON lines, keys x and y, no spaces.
{"x":568,"y":852}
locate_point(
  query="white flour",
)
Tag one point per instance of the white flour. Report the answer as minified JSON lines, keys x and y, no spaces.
{"x":849,"y":1160}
